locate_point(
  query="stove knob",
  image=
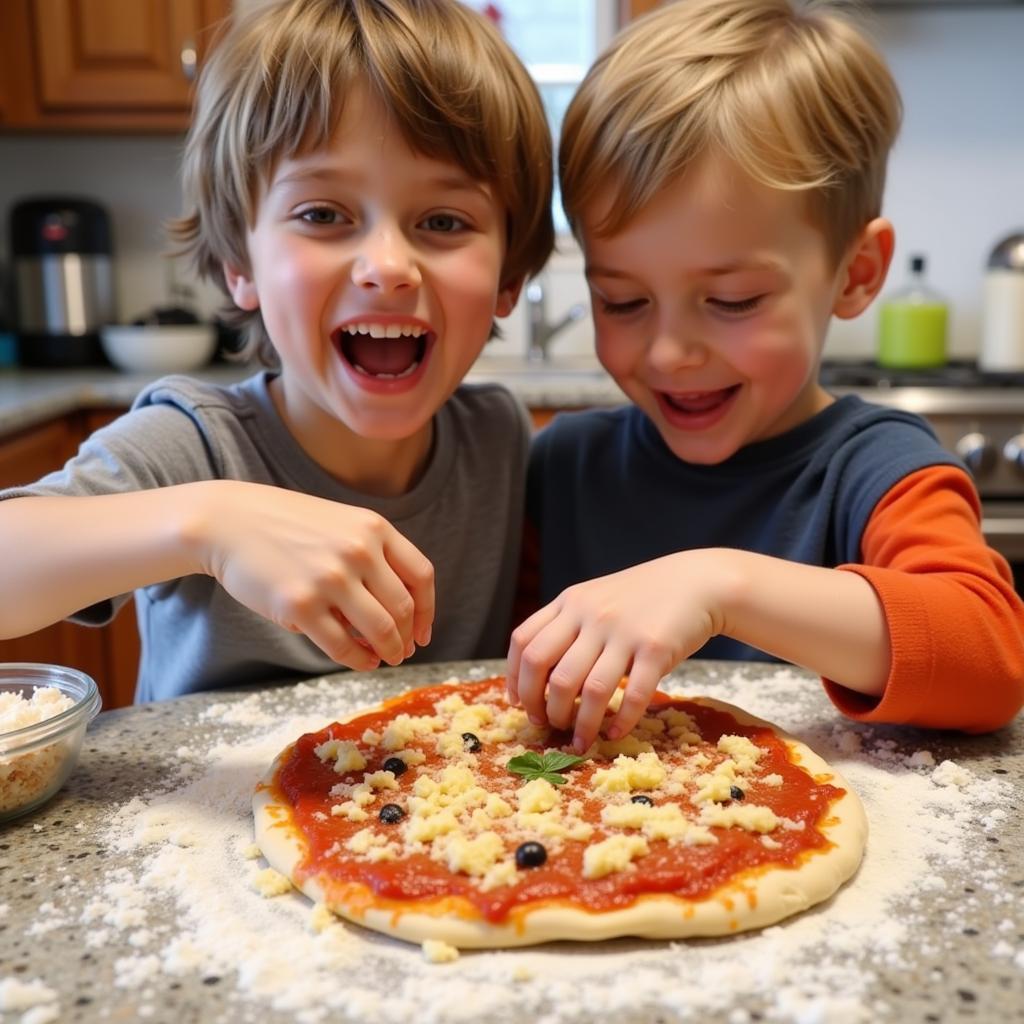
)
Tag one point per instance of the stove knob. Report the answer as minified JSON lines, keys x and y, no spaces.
{"x":1013,"y":452}
{"x":977,"y":451}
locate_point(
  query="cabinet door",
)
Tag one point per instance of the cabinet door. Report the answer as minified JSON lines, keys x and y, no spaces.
{"x":106,"y":53}
{"x":110,"y":655}
{"x":634,"y":8}
{"x":96,"y":64}
{"x":24,"y":458}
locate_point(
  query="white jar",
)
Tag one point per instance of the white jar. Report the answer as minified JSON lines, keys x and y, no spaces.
{"x":1002,"y":338}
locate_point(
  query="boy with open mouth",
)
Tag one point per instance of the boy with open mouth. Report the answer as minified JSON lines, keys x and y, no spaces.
{"x":370,"y":184}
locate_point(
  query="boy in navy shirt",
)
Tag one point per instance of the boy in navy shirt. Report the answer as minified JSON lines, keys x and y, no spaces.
{"x":723,"y":166}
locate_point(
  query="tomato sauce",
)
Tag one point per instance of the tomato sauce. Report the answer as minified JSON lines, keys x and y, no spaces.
{"x":691,"y":872}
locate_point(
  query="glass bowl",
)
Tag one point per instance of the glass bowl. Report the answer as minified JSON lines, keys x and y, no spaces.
{"x":36,"y":760}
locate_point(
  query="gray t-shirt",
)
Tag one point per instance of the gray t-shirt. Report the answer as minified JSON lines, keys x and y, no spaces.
{"x":464,"y":514}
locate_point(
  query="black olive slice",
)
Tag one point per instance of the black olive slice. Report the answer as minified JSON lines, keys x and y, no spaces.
{"x":530,"y":855}
{"x":391,"y":814}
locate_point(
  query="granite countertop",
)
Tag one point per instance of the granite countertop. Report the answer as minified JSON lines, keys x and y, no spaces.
{"x":32,"y":396}
{"x":89,"y":919}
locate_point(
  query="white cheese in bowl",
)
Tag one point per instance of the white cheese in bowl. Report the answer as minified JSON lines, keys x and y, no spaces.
{"x":25,"y":776}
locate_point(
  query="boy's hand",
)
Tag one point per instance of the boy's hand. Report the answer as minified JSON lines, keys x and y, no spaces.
{"x":642,"y":622}
{"x":340,"y":574}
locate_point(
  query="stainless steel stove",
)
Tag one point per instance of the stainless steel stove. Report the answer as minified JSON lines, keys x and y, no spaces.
{"x":976,"y":414}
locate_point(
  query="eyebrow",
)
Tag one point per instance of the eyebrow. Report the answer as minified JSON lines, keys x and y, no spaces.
{"x":329,"y":176}
{"x":732,"y":267}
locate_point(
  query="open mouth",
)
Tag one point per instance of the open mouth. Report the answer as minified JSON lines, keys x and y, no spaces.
{"x":699,"y":402}
{"x":383,"y":351}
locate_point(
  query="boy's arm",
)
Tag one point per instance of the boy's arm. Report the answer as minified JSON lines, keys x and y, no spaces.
{"x":333,"y":572}
{"x":955,"y":622}
{"x":643,"y":621}
{"x":935,"y":572}
{"x":64,"y":554}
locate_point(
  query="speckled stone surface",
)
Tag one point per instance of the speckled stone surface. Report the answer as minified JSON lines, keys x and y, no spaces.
{"x":129,"y":750}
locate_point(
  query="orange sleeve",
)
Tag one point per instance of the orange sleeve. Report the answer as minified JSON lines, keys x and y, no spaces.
{"x":956,"y":625}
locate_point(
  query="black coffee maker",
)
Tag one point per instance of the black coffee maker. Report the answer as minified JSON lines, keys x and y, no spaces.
{"x":62,"y":265}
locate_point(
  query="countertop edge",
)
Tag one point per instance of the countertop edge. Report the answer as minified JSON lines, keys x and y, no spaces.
{"x":29,"y":398}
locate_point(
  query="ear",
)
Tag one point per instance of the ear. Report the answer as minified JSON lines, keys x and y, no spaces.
{"x":864,"y":268}
{"x":508,"y":296}
{"x":241,"y":288}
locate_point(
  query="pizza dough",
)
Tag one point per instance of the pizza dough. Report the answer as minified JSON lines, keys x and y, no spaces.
{"x":704,"y":821}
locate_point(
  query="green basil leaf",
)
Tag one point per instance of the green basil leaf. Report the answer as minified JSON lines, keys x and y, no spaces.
{"x":529,"y":765}
{"x":555,"y":780}
{"x":547,"y":766}
{"x":556,"y":761}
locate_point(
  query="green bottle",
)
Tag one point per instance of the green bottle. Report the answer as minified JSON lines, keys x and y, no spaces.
{"x":912,"y":324}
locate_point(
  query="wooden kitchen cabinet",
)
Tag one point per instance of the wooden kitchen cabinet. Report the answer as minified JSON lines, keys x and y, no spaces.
{"x":27,"y":455}
{"x":634,"y":8}
{"x":541,"y":416}
{"x":111,"y":654}
{"x":102,"y":65}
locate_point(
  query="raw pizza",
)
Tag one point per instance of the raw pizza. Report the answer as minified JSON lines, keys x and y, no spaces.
{"x":443,"y":814}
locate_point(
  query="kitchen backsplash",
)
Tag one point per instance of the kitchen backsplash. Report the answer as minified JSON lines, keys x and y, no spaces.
{"x":955,"y":182}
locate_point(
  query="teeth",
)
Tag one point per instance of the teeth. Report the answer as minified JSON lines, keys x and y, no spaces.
{"x":386,"y":330}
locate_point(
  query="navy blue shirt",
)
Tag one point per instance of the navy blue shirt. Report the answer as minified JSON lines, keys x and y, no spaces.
{"x":605,"y":492}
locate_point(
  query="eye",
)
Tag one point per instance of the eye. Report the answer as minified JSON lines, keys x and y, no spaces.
{"x":736,"y":306}
{"x":446,"y":223}
{"x":621,"y":308}
{"x":320,"y":215}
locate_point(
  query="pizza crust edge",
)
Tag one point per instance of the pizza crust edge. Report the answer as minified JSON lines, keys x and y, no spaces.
{"x":755,"y":901}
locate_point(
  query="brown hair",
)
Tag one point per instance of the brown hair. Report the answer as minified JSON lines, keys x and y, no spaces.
{"x":275,"y":86}
{"x":800,"y":99}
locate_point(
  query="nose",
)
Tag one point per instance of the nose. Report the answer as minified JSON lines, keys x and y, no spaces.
{"x":386,"y":261}
{"x":675,"y":346}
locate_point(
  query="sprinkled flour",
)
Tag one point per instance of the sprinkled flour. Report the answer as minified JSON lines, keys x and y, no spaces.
{"x":190,"y":853}
{"x":36,"y":1003}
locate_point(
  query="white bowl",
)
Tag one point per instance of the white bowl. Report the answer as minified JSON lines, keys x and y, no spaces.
{"x":164,"y":348}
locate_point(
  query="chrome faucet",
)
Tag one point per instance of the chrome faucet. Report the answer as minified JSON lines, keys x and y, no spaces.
{"x":541,"y":331}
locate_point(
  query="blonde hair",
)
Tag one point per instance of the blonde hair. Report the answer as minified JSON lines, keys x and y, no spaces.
{"x":797,"y":97}
{"x":275,"y":87}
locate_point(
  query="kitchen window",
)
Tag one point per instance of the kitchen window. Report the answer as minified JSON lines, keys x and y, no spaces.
{"x":557,"y":40}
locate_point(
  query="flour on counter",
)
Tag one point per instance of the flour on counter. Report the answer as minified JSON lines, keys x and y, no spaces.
{"x":189,"y":851}
{"x":35,"y":1003}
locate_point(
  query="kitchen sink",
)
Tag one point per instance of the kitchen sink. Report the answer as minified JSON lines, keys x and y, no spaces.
{"x":518,"y":367}
{"x":565,"y":381}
